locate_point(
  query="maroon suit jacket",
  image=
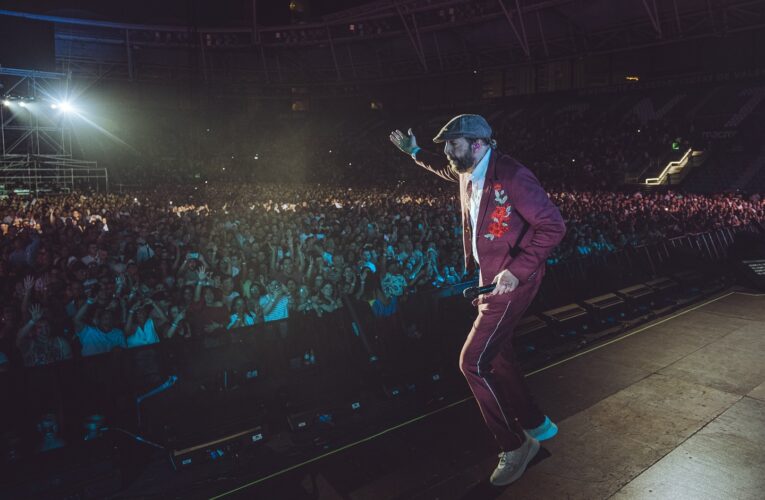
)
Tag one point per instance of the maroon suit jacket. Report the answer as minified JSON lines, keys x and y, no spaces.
{"x":511,"y":195}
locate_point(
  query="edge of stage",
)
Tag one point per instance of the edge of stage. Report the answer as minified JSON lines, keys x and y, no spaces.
{"x":672,"y":409}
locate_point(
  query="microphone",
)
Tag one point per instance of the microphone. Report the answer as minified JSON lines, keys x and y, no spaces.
{"x":138,"y":438}
{"x":474,"y":291}
{"x":171,"y":380}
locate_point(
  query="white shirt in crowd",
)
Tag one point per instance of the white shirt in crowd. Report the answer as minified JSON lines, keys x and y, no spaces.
{"x":94,"y":341}
{"x":144,"y":335}
{"x":278,"y":312}
{"x":144,"y":253}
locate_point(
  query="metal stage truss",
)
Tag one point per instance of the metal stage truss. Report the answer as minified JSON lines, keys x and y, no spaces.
{"x":36,"y":140}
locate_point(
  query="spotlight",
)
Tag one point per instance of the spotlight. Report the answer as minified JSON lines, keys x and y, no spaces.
{"x":63,"y":106}
{"x":22,"y":104}
{"x":7,"y":103}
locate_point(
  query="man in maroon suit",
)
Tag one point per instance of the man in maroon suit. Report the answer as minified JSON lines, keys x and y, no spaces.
{"x":510,"y":226}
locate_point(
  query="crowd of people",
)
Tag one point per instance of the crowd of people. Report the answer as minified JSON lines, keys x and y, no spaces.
{"x":590,"y":142}
{"x":83,"y":274}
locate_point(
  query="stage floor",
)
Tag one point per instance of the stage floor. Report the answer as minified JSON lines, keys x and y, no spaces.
{"x":674,"y":409}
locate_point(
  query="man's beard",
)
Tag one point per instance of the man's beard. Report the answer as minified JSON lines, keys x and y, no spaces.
{"x":460,"y":164}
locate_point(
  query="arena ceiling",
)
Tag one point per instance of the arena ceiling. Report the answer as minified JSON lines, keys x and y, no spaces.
{"x":390,"y":39}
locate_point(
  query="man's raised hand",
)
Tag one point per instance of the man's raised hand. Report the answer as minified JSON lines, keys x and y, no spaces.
{"x":35,"y":311}
{"x":29,"y":283}
{"x":202,"y":274}
{"x":405,"y":142}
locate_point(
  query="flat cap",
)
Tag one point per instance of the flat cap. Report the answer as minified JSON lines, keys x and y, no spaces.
{"x":468,"y":126}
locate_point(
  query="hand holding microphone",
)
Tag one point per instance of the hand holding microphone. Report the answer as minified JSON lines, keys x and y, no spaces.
{"x":504,"y":282}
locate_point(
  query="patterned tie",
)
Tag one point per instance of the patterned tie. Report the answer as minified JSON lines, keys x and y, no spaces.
{"x":469,"y":192}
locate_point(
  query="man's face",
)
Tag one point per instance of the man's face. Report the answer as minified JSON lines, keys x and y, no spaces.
{"x":461,"y":157}
{"x":106,"y":321}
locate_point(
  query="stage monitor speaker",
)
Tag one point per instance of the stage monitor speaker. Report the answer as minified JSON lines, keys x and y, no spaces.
{"x":606,"y":309}
{"x":569,"y":320}
{"x":218,"y":449}
{"x":691,"y":280}
{"x":664,"y":287}
{"x":753,"y":272}
{"x":748,"y":253}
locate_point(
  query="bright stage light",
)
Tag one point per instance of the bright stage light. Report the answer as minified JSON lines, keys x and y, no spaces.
{"x":23,"y":104}
{"x":7,"y":103}
{"x":63,"y":106}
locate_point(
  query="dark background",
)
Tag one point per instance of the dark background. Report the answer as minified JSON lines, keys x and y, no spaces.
{"x":27,"y":44}
{"x":229,"y":12}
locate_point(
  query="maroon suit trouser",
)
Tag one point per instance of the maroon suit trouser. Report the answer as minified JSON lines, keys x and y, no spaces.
{"x":492,"y":371}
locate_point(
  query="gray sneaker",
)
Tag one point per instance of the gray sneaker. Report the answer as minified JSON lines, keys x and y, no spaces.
{"x":513,"y":463}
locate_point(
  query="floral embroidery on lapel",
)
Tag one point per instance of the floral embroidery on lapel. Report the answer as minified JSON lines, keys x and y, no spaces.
{"x":501,"y":214}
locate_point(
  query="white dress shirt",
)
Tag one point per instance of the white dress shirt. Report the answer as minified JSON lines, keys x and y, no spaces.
{"x":477,"y":177}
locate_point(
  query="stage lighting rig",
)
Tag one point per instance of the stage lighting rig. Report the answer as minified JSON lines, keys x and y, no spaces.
{"x":63,"y":106}
{"x":9,"y":100}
